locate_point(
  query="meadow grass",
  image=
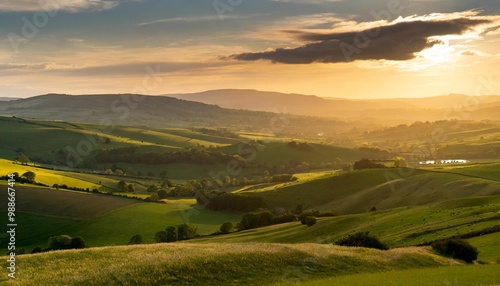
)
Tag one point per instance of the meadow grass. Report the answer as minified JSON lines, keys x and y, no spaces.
{"x":117,"y":225}
{"x":212,"y":264}
{"x":487,"y":171}
{"x":489,"y":247}
{"x":396,"y":227}
{"x":447,"y":275}
{"x":65,"y":204}
{"x":359,"y":191}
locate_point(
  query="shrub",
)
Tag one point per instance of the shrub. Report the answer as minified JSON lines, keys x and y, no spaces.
{"x":37,"y":249}
{"x":77,"y":242}
{"x":362,"y":239}
{"x":136,"y":239}
{"x":185,"y":232}
{"x":256,"y":219}
{"x":161,"y":236}
{"x":308,"y":220}
{"x":288,"y":217}
{"x":171,"y":234}
{"x":226,"y":227}
{"x":66,"y":242}
{"x":456,"y":248}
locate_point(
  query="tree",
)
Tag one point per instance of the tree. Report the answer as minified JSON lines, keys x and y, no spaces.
{"x":362,"y":239}
{"x":131,"y":188}
{"x":59,"y":242}
{"x":136,"y":239}
{"x":366,"y":164}
{"x":77,"y":242}
{"x":185,"y":232}
{"x":457,"y":248}
{"x":122,"y":185}
{"x":161,"y":236}
{"x":171,"y":234}
{"x":119,"y":172}
{"x":29,"y":176}
{"x":23,"y":159}
{"x":226,"y":227}
{"x":308,"y":220}
{"x":37,"y":249}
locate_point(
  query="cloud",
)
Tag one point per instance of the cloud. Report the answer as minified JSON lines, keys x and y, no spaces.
{"x":195,"y":19}
{"x":399,"y":40}
{"x":56,"y":5}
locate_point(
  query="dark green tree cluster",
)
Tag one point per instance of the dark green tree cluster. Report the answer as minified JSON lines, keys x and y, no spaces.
{"x":176,"y":233}
{"x":222,"y":201}
{"x":456,"y":248}
{"x":136,"y":239}
{"x":308,"y":220}
{"x":367,"y":164}
{"x":265,"y":218}
{"x":60,"y":242}
{"x":195,"y":155}
{"x":362,"y":239}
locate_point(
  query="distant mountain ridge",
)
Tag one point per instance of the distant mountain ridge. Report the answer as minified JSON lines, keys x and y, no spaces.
{"x":159,"y":112}
{"x":384,"y":109}
{"x":251,"y":110}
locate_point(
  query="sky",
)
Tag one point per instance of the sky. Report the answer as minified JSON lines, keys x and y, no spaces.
{"x":332,"y":48}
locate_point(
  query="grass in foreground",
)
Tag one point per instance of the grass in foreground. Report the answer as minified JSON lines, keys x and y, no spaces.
{"x":212,"y":264}
{"x":450,"y":275}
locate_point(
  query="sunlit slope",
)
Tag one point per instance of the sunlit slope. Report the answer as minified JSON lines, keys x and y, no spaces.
{"x":212,"y":264}
{"x":397,"y":227}
{"x":41,"y":139}
{"x":359,"y":191}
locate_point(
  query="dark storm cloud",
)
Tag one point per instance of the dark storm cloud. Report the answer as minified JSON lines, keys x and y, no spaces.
{"x":398,"y":41}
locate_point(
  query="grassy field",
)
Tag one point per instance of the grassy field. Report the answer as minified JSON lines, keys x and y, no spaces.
{"x":105,"y":220}
{"x":359,"y":191}
{"x":488,"y":171}
{"x":448,"y":275}
{"x":212,"y":264}
{"x":397,"y":227}
{"x":64,"y":204}
{"x":71,"y":179}
{"x":489,"y":247}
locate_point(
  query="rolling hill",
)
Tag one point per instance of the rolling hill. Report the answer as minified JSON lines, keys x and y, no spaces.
{"x":110,"y":110}
{"x":213,"y":264}
{"x":400,"y":110}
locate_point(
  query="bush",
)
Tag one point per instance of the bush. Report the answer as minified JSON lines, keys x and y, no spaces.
{"x":136,"y":239}
{"x":161,"y":236}
{"x":362,"y":239}
{"x":171,"y":234}
{"x":37,"y":249}
{"x":185,"y":232}
{"x":77,"y":242}
{"x":308,"y":220}
{"x":226,"y":227}
{"x":66,"y":242}
{"x":456,"y":248}
{"x":284,"y":218}
{"x":256,"y":219}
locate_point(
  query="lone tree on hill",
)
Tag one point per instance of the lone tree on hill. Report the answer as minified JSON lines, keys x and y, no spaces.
{"x":122,"y":185}
{"x":30,"y":176}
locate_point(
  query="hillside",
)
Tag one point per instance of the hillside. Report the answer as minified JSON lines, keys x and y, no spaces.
{"x":212,"y":264}
{"x":359,"y":191}
{"x":401,"y":110}
{"x":109,"y":110}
